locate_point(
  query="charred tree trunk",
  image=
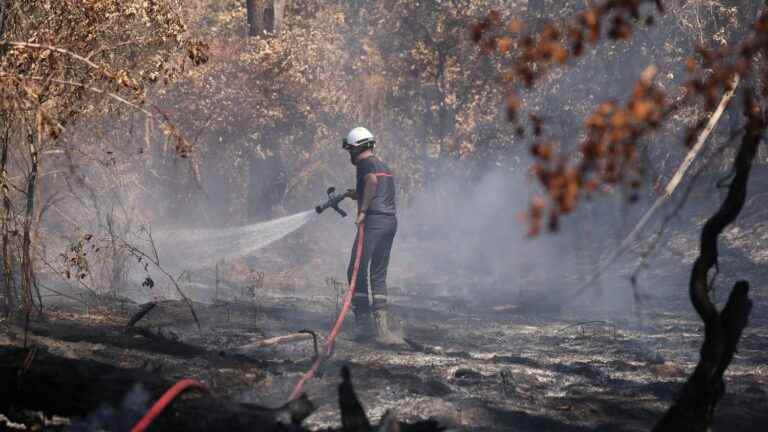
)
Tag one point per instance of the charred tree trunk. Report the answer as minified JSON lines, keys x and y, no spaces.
{"x":119,"y":258}
{"x":3,"y":14}
{"x":694,"y":408}
{"x":265,"y":16}
{"x":251,"y":13}
{"x":9,"y":291}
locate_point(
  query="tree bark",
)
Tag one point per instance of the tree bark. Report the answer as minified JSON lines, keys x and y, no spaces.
{"x":27,"y":270}
{"x":278,"y":16}
{"x":694,"y":408}
{"x":3,"y":14}
{"x":265,"y":16}
{"x":252,"y":16}
{"x":9,"y":292}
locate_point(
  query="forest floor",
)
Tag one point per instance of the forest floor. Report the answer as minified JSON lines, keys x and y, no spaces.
{"x":481,"y":364}
{"x":485,"y":362}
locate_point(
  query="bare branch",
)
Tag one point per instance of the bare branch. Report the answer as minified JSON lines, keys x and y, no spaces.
{"x":661,"y":200}
{"x":53,"y":48}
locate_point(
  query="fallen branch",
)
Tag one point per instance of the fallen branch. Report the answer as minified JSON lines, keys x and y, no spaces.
{"x":584,"y":323}
{"x":140,"y":314}
{"x":674,"y":182}
{"x":279,"y":340}
{"x":656,"y":238}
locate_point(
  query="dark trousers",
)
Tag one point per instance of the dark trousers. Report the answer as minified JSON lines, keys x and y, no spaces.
{"x":378,"y":236}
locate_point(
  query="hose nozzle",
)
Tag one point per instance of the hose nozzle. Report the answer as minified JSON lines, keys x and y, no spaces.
{"x":333,"y":202}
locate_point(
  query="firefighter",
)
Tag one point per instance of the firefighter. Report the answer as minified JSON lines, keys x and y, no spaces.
{"x":377,"y":224}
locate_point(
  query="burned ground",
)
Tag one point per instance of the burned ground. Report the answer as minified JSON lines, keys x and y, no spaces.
{"x":473,"y":364}
{"x":515,"y":356}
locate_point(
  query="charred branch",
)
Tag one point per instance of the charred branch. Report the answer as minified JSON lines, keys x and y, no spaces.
{"x":278,"y":340}
{"x":353,"y":418}
{"x":141,"y":313}
{"x":694,"y":408}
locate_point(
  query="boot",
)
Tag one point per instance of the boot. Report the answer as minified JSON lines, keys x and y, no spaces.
{"x":384,"y":334}
{"x":364,"y":328}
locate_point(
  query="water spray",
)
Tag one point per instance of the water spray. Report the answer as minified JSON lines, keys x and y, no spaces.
{"x":333,"y":202}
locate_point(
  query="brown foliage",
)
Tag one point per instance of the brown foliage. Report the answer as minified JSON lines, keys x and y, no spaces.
{"x":608,"y":155}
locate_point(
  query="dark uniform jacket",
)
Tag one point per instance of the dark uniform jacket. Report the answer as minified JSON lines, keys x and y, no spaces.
{"x":383,"y":203}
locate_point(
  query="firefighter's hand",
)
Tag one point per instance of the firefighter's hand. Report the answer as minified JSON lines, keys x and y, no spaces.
{"x":360,"y":218}
{"x":351,"y":193}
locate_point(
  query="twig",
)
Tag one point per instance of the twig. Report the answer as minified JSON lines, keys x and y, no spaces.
{"x":114,"y":47}
{"x":53,"y":48}
{"x":655,"y":243}
{"x":29,"y":359}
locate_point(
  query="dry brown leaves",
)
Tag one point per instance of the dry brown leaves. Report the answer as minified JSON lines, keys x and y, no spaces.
{"x":608,"y":156}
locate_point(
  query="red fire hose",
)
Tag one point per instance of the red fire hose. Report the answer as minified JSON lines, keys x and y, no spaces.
{"x":184,"y":384}
{"x":164,"y":401}
{"x":329,"y":343}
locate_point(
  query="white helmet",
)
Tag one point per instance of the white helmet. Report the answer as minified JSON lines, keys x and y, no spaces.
{"x":358,"y":138}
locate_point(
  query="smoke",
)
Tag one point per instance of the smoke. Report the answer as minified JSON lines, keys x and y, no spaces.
{"x":458,"y":237}
{"x":467,"y":241}
{"x":120,"y":418}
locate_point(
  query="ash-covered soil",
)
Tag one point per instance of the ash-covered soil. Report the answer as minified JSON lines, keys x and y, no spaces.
{"x":476,"y":364}
{"x":512,"y":356}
